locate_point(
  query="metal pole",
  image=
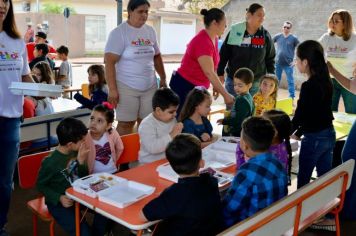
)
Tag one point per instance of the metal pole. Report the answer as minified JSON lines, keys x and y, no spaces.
{"x":119,"y":11}
{"x":38,"y":6}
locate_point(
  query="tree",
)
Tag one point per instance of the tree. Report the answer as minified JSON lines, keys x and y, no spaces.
{"x":195,"y":6}
{"x":56,"y":8}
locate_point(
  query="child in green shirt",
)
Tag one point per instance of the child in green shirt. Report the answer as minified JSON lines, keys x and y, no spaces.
{"x":243,"y":106}
{"x":63,"y":166}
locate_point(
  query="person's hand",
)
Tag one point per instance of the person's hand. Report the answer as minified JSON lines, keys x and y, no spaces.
{"x":65,"y":201}
{"x":205,"y":137}
{"x":215,"y":94}
{"x":293,"y":136}
{"x":177,"y":129}
{"x":162,"y":83}
{"x":83,"y":153}
{"x":222,"y":79}
{"x":353,"y":84}
{"x":113,"y":97}
{"x":330,"y":67}
{"x":229,"y":99}
{"x":219,"y":121}
{"x":214,"y":138}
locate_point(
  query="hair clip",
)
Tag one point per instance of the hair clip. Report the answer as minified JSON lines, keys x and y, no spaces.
{"x":108,"y":105}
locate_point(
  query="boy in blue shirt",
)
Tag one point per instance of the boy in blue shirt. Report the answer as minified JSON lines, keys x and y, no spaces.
{"x":260,"y":181}
{"x":191,"y":206}
{"x":243,"y":106}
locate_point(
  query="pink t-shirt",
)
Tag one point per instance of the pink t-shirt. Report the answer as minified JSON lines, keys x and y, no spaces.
{"x":200,"y":45}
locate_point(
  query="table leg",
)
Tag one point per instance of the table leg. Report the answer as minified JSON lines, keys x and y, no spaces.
{"x":77,"y":219}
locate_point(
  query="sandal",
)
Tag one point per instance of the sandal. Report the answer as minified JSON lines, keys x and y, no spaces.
{"x":331,"y":228}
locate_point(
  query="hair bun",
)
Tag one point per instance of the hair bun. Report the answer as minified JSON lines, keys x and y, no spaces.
{"x":203,"y":12}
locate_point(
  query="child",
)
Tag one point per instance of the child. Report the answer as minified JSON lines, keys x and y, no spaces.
{"x":159,"y":127}
{"x":313,"y":116}
{"x":40,"y":52}
{"x":193,"y":115}
{"x":60,"y":169}
{"x":243,"y":106}
{"x":259,"y":182}
{"x":97,"y":88}
{"x":104,"y":142}
{"x":43,"y":74}
{"x":191,"y":206}
{"x":265,"y":99}
{"x":280,"y":147}
{"x":64,"y":77}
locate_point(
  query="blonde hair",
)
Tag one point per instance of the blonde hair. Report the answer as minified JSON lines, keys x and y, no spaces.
{"x":274,"y":79}
{"x":347,"y":21}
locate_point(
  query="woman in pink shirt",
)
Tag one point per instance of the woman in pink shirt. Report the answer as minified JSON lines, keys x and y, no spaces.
{"x":200,"y":61}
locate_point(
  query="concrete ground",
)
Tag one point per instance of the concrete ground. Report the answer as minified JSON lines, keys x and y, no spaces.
{"x":20,"y":221}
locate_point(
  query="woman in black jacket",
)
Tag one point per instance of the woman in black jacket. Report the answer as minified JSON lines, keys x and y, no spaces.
{"x":248,"y":44}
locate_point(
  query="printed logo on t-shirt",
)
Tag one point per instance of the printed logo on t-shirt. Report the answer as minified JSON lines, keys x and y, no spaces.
{"x":337,"y":51}
{"x":4,"y":55}
{"x":141,"y":42}
{"x":70,"y":173}
{"x":103,"y":153}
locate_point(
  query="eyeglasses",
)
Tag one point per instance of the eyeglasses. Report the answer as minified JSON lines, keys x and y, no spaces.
{"x":335,"y":22}
{"x":286,"y":27}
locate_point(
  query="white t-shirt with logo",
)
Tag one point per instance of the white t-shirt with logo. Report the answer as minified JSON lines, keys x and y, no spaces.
{"x":136,"y":48}
{"x":13,"y":65}
{"x":337,"y":50}
{"x":103,"y":158}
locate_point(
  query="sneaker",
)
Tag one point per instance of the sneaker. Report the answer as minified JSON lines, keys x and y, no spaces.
{"x":324,"y":224}
{"x":331,"y":228}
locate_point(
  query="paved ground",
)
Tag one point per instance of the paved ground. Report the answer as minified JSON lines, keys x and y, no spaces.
{"x":20,"y":223}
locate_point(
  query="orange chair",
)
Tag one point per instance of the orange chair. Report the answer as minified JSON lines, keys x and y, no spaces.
{"x":85,"y":90}
{"x":131,"y":148}
{"x":28,"y":168}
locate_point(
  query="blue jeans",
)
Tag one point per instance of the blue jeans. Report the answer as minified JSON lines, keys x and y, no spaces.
{"x":348,"y":97}
{"x":65,"y":217}
{"x":290,"y":79}
{"x":316,"y":151}
{"x":9,"y":147}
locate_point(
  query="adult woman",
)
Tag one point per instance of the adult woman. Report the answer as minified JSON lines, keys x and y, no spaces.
{"x":337,"y":43}
{"x":131,"y":58}
{"x":201,"y":58}
{"x":12,"y":69}
{"x":250,"y":45}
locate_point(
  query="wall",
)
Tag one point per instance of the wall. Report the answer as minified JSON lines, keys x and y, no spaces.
{"x":309,"y":17}
{"x":57,"y":29}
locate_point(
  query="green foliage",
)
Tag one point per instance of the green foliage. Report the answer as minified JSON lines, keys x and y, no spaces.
{"x":195,"y":6}
{"x":55,"y":8}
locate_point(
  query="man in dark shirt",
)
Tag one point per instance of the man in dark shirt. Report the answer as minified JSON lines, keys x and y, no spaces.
{"x":191,"y":206}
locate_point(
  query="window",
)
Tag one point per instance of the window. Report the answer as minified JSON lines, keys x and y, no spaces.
{"x":95,"y":30}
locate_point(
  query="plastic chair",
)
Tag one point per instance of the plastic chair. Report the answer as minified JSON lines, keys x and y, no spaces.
{"x":85,"y":90}
{"x":131,"y":148}
{"x":28,"y":168}
{"x":285,"y":105}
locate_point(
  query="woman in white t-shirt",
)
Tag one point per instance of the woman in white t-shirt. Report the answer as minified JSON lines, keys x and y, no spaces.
{"x":13,"y":68}
{"x":338,"y":42}
{"x":131,"y":58}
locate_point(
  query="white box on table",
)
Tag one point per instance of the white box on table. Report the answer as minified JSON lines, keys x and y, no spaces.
{"x":36,"y":89}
